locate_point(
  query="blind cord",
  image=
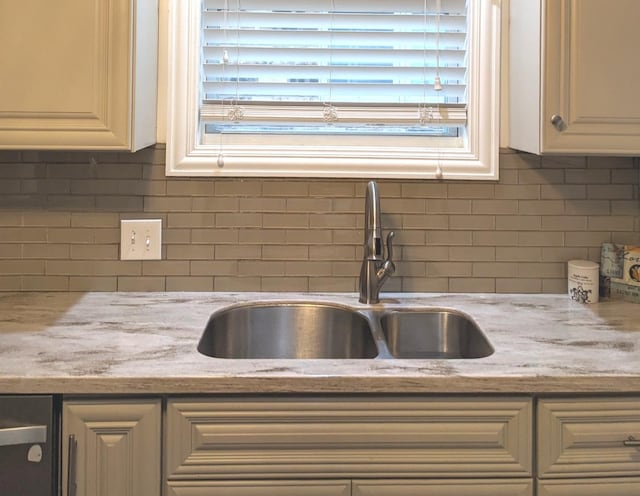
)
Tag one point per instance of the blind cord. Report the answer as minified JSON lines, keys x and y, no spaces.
{"x":329,"y":112}
{"x":437,"y":84}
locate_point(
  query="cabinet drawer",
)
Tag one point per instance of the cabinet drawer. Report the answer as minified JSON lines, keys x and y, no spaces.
{"x":590,"y":487}
{"x":306,"y":437}
{"x":578,"y":438}
{"x":261,"y":488}
{"x":440,"y":487}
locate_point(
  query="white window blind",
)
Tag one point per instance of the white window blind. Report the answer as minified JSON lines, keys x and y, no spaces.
{"x":358,"y":67}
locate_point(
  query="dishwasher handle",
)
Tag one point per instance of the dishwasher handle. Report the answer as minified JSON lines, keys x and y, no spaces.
{"x":31,"y":434}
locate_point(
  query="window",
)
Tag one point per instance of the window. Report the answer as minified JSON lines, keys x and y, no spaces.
{"x":334,"y":88}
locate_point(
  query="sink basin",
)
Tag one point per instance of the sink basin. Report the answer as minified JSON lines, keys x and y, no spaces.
{"x":287,"y":330}
{"x":433,"y":334}
{"x":298,"y":330}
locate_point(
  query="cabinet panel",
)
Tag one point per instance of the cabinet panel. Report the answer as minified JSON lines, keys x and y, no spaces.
{"x":586,"y":438}
{"x":64,"y":72}
{"x":575,"y":60}
{"x":591,"y":78}
{"x":334,"y":437}
{"x":484,"y":487}
{"x":118,"y":447}
{"x":261,"y":488}
{"x":79,"y":74}
{"x":590,"y":487}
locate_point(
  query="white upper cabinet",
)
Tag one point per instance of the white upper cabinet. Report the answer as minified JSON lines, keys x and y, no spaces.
{"x":78,"y":74}
{"x":574,"y":75}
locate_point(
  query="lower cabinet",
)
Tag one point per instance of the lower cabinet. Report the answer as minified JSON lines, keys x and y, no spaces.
{"x":589,"y":446}
{"x":364,"y":446}
{"x":306,"y":445}
{"x":111,"y":447}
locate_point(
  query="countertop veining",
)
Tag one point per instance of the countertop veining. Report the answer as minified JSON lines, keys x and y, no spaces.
{"x":134,"y":343}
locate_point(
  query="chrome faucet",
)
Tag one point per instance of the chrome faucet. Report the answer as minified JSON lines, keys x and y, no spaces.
{"x":375,"y":268}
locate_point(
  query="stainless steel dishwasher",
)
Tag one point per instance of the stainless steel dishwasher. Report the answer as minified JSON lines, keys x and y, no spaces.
{"x":28,"y":440}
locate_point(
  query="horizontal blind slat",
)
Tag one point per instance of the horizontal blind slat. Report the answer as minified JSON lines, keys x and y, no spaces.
{"x":363,"y":40}
{"x":304,"y":92}
{"x":335,"y":22}
{"x":322,"y":56}
{"x":354,"y":5}
{"x":443,"y":121}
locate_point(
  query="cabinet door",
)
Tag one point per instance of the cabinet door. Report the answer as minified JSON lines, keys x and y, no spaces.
{"x":590,"y":487}
{"x":592,"y":76}
{"x":472,"y":487}
{"x":588,"y":437}
{"x":118,"y":447}
{"x":574,"y":70}
{"x":261,"y":488}
{"x":68,"y":75}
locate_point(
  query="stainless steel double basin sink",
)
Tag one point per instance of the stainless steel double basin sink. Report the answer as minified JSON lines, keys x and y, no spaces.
{"x":315,"y":330}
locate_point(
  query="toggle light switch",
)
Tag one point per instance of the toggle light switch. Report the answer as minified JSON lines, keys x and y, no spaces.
{"x":141,"y":239}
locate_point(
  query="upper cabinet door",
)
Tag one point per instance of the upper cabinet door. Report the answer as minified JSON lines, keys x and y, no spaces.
{"x":574,"y":72}
{"x":78,"y":74}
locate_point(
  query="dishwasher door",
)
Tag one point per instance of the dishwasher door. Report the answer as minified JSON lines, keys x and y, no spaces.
{"x":27,"y":446}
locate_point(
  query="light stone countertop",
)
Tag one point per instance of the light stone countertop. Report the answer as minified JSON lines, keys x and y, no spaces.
{"x":139,"y":343}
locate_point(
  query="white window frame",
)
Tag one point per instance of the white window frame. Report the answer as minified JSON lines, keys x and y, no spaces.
{"x":317,"y":156}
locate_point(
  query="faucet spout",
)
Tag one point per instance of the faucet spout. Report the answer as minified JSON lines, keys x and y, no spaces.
{"x":375,"y":269}
{"x":372,"y":223}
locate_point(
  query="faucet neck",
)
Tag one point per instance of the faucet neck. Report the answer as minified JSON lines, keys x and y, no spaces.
{"x":372,"y":223}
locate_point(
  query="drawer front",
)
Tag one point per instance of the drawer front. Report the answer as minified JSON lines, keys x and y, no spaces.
{"x":439,"y":487}
{"x":260,"y":488}
{"x":306,"y":437}
{"x":590,"y":487}
{"x":588,"y":438}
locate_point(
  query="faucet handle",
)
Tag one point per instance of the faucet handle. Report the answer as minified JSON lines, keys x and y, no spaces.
{"x":388,"y":267}
{"x":390,"y":245}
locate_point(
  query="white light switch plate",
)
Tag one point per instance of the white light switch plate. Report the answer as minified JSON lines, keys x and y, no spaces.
{"x":141,"y":239}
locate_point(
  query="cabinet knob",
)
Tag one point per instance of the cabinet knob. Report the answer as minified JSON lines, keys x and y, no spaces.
{"x":558,"y":122}
{"x":632,"y":441}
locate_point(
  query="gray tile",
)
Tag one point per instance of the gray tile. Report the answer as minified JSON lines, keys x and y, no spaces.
{"x":472,"y":285}
{"x":148,"y":283}
{"x":181,"y":283}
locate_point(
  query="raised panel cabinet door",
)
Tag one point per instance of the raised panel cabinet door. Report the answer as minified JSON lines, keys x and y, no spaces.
{"x":596,"y":437}
{"x":261,"y":488}
{"x":471,"y":487}
{"x":337,"y":437}
{"x":574,"y":70}
{"x":78,"y":74}
{"x":592,"y":75}
{"x":118,"y":447}
{"x":590,"y":487}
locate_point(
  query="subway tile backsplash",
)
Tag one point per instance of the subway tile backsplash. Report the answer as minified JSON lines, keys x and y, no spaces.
{"x":60,"y":218}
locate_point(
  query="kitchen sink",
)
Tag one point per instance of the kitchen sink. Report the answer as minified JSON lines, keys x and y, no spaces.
{"x":287,"y":330}
{"x":433,"y":334}
{"x":315,"y":330}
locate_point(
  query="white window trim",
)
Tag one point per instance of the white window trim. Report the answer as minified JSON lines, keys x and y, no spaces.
{"x":186,"y":157}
